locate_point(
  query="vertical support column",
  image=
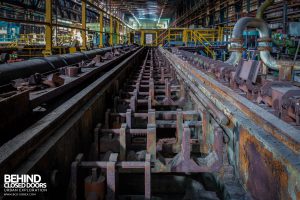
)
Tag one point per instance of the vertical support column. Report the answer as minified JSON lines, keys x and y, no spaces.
{"x":149,"y":102}
{"x":167,"y":91}
{"x":74,"y":176}
{"x":122,"y":140}
{"x":137,"y":85}
{"x":173,"y":74}
{"x":148,"y":177}
{"x":128,"y":118}
{"x":125,"y":35}
{"x":222,"y":34}
{"x":151,"y":90}
{"x":285,"y":17}
{"x":179,"y":127}
{"x":111,"y":177}
{"x":169,"y":36}
{"x":218,"y":142}
{"x":162,"y":73}
{"x":227,"y":14}
{"x":48,"y":31}
{"x":123,"y":32}
{"x":142,"y":38}
{"x":118,"y":31}
{"x":186,"y":147}
{"x":133,"y":101}
{"x":111,"y":30}
{"x":248,"y":6}
{"x":205,"y":123}
{"x":151,"y":140}
{"x":151,"y":116}
{"x":182,"y":91}
{"x":128,"y":35}
{"x":97,"y":132}
{"x":83,"y":22}
{"x":101,"y":29}
{"x":184,"y":37}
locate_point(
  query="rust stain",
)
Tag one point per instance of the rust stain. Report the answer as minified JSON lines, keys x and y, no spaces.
{"x":266,"y":124}
{"x":263,"y":175}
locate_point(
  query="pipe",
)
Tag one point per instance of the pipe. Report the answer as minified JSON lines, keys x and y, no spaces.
{"x":262,"y":8}
{"x":11,"y":71}
{"x":265,"y":55}
{"x":263,"y":30}
{"x":237,"y":34}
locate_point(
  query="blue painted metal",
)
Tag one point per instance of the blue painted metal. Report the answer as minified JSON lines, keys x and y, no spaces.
{"x":9,"y":31}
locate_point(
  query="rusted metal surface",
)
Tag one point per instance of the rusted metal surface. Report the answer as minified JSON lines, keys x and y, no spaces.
{"x":263,"y":175}
{"x":151,"y":125}
{"x":63,"y":122}
{"x":45,"y":90}
{"x":15,"y":107}
{"x":282,"y":131}
{"x":154,"y":125}
{"x":267,"y":155}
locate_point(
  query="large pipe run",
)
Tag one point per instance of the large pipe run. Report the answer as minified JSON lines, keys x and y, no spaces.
{"x":11,"y":71}
{"x":264,"y":33}
{"x":262,"y":8}
{"x":237,"y":38}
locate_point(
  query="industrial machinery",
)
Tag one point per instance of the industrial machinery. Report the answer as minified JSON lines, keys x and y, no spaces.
{"x":176,"y":117}
{"x":168,"y":119}
{"x":34,"y":82}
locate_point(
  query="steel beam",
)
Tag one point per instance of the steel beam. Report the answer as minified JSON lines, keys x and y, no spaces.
{"x":101,"y":29}
{"x":118,"y":31}
{"x":151,"y":140}
{"x":83,"y":22}
{"x":48,"y":30}
{"x":111,"y":30}
{"x":111,"y":177}
{"x":142,"y":38}
{"x":128,"y":35}
{"x":148,"y":177}
{"x":122,"y":139}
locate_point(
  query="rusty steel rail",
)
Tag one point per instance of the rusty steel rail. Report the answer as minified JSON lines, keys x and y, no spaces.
{"x":151,"y":102}
{"x":256,"y":137}
{"x":219,"y":93}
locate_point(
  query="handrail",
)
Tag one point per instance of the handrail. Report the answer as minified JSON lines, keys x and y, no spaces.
{"x":201,"y":39}
{"x":160,"y":40}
